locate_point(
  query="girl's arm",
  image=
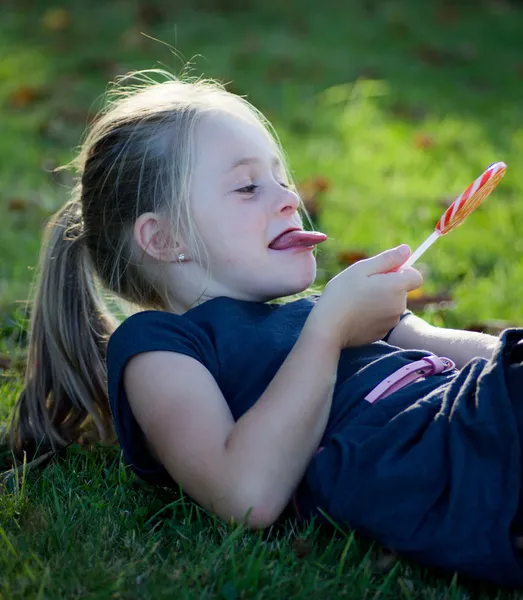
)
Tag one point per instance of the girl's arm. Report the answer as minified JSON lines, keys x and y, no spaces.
{"x":230,"y":467}
{"x":460,"y":346}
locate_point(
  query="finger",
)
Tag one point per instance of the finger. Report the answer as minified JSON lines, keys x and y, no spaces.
{"x":387,"y":261}
{"x":409,"y":279}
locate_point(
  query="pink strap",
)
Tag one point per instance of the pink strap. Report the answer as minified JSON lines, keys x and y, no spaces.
{"x":428,"y":365}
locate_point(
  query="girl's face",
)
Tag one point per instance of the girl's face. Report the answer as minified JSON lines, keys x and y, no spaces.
{"x":240,"y":204}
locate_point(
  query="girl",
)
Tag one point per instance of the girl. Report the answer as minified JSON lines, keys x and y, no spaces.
{"x":185,"y":207}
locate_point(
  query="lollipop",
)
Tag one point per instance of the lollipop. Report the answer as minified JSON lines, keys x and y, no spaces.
{"x":471,"y":198}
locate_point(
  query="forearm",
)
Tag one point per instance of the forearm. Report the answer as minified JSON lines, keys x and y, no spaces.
{"x":271,"y":445}
{"x":460,"y":346}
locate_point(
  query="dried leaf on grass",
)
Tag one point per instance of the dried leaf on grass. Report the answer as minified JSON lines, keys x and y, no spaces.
{"x":25,"y":95}
{"x":423,"y":141}
{"x":310,"y":191}
{"x":302,"y":547}
{"x":349,"y":257}
{"x":17,"y":205}
{"x":56,"y":19}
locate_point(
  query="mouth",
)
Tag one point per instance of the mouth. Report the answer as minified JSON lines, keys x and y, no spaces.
{"x":283,"y":233}
{"x":294,"y":237}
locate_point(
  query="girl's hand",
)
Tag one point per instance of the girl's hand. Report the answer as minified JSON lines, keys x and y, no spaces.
{"x":363,"y":302}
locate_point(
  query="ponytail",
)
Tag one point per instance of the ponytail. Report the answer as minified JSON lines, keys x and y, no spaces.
{"x":65,"y":391}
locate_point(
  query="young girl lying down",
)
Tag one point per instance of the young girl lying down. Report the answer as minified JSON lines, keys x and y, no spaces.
{"x":342,"y":401}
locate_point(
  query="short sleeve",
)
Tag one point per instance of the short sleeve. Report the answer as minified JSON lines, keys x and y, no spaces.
{"x":404,"y":314}
{"x":149,"y":331}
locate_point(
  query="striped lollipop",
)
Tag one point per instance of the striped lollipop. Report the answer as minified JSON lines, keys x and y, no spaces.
{"x":468,"y":201}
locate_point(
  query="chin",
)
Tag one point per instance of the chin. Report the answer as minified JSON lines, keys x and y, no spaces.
{"x":289,"y":279}
{"x":296,"y":287}
{"x":284,"y":289}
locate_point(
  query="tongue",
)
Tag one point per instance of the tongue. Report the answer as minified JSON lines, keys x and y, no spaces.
{"x":298,"y":238}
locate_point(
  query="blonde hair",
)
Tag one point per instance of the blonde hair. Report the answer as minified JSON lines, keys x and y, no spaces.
{"x":137,"y":157}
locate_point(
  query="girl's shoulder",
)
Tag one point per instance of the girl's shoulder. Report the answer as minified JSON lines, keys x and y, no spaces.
{"x":154,"y":330}
{"x":143,"y":325}
{"x":144,"y":317}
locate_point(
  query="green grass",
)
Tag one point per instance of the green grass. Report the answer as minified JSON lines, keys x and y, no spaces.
{"x":86,"y":528}
{"x":398,"y":106}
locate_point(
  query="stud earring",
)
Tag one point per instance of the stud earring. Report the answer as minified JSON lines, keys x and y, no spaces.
{"x":181,"y":257}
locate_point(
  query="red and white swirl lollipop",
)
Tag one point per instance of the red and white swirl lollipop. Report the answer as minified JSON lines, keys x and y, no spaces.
{"x":471,"y":198}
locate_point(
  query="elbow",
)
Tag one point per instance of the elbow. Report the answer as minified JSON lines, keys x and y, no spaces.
{"x":256,"y":517}
{"x":256,"y":505}
{"x":256,"y":511}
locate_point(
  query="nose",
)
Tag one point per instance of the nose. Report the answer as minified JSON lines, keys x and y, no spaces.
{"x":288,"y":201}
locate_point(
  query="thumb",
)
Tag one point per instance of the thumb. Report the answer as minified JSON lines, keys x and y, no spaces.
{"x":388,"y":261}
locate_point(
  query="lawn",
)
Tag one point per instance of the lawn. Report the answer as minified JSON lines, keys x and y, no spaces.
{"x":387,"y":110}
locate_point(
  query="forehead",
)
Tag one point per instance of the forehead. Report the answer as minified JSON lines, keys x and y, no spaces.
{"x":223,"y":139}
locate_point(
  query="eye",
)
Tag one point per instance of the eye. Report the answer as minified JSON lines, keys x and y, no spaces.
{"x":248,"y":189}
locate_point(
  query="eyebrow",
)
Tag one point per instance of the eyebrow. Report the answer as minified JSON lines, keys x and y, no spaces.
{"x":249,"y":160}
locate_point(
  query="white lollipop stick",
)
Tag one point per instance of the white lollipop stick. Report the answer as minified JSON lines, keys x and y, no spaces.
{"x":419,"y":251}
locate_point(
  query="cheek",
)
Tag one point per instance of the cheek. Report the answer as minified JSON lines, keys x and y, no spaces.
{"x":232,"y":232}
{"x":235,"y":246}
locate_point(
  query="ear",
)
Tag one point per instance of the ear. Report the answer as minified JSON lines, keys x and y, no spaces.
{"x":152,"y":233}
